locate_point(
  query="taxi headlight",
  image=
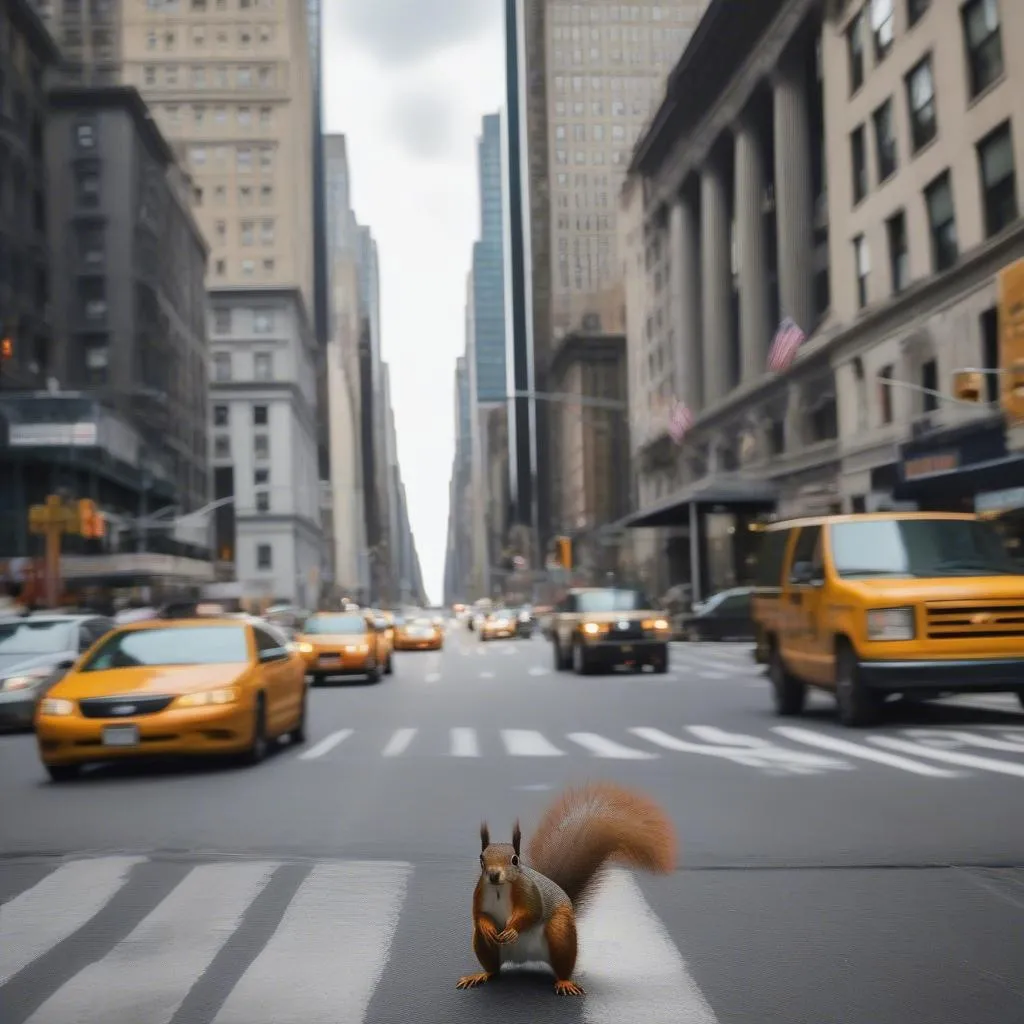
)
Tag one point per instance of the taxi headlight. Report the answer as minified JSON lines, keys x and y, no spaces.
{"x":302,"y":646}
{"x":656,"y":624}
{"x":204,"y":698}
{"x":591,"y":628}
{"x":56,"y":706}
{"x":890,"y":624}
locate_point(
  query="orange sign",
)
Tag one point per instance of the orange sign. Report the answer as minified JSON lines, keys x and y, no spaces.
{"x":1011,"y":340}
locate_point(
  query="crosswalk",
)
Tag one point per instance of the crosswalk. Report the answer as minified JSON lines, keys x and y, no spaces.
{"x":809,"y":748}
{"x":119,"y":939}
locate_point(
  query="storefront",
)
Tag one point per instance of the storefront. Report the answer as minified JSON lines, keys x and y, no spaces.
{"x":947,"y":470}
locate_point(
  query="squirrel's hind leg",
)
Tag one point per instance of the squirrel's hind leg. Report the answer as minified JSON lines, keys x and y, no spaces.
{"x":490,"y":960}
{"x":560,"y":932}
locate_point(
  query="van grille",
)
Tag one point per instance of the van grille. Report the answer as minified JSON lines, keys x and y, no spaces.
{"x":976,"y":621}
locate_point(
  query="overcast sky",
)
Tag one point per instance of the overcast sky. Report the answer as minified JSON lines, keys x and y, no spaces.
{"x":408,"y":83}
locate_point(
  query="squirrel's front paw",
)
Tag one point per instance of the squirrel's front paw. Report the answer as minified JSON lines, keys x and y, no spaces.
{"x":508,"y":935}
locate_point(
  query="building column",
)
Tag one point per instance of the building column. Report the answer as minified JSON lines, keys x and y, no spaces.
{"x":794,"y":199}
{"x":716,"y":284}
{"x":684,"y":270}
{"x":755,"y":329}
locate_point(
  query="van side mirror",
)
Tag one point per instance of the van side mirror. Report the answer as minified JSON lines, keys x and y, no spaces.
{"x":802,"y":572}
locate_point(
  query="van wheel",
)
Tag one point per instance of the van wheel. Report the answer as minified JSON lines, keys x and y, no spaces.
{"x":857,"y":705}
{"x":789,"y":693}
{"x":63,"y":772}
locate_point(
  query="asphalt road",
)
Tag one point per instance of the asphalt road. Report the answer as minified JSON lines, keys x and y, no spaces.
{"x":827,"y":876}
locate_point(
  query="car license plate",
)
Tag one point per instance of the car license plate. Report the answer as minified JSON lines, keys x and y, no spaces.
{"x":330,"y":659}
{"x":121,"y":736}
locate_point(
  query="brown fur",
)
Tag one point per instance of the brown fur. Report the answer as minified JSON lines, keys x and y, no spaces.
{"x":560,"y":932}
{"x":594,"y":825}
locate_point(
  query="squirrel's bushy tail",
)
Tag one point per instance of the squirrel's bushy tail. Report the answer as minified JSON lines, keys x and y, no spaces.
{"x":591,"y":826}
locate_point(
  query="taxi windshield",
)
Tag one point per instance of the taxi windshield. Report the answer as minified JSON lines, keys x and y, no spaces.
{"x":336,"y":625}
{"x":184,"y":645}
{"x":33,"y":637}
{"x":612,"y":600}
{"x":920,"y":548}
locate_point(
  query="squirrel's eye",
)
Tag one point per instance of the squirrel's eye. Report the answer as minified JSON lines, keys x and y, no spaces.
{"x":515,"y":861}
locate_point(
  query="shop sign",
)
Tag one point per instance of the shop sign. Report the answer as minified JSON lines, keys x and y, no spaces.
{"x":1000,"y":501}
{"x":929,"y":465}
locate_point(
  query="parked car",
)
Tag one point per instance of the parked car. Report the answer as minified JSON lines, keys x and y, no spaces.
{"x":723,"y":616}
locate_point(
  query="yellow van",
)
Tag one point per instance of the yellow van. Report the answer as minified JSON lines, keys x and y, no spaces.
{"x":921,"y":604}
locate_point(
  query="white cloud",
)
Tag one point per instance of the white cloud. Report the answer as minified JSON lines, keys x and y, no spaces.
{"x":424,"y":215}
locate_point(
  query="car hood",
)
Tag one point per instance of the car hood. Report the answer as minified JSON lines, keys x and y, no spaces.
{"x":12,"y":664}
{"x":334,"y":639}
{"x":943,"y":588}
{"x":176,"y":679}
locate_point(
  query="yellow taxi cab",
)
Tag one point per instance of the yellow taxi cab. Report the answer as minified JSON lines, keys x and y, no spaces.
{"x":385,"y":622}
{"x":418,"y":634}
{"x":873,"y":605}
{"x":174,"y":687}
{"x":498,"y":624}
{"x":349,"y":643}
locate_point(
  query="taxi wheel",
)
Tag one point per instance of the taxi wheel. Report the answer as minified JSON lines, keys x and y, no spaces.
{"x":63,"y":772}
{"x":258,"y":747}
{"x":389,"y":666}
{"x":375,"y":673}
{"x":1020,"y":697}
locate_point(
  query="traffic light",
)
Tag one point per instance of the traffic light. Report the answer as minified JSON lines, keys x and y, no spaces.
{"x":1011,"y":341}
{"x":967,"y":385}
{"x":563,"y":552}
{"x":6,"y":347}
{"x":90,"y":520}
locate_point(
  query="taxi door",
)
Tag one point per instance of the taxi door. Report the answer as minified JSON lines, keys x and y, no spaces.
{"x":283,"y":680}
{"x":806,"y":646}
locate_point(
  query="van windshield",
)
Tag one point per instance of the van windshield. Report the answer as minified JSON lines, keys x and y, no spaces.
{"x":920,"y":548}
{"x":611,"y":600}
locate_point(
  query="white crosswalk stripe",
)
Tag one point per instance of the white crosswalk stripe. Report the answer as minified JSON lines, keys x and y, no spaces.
{"x":782,"y":750}
{"x":322,"y":961}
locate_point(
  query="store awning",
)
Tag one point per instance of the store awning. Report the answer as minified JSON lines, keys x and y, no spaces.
{"x":675,"y":510}
{"x":991,"y":475}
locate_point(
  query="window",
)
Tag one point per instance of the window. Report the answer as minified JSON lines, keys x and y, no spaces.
{"x":916,"y":10}
{"x":983,"y":40}
{"x":855,"y":51}
{"x":261,"y":446}
{"x":929,"y":381}
{"x":222,"y":447}
{"x":261,"y":477}
{"x":263,"y":322}
{"x":885,"y":140}
{"x":220,"y":415}
{"x":221,"y":317}
{"x":262,"y":501}
{"x":998,"y":179}
{"x":921,"y":100}
{"x":264,"y":556}
{"x":246,"y":232}
{"x":899,"y":259}
{"x":222,"y":366}
{"x":248,"y":268}
{"x":807,"y":551}
{"x":176,"y":645}
{"x":862,"y":262}
{"x":85,"y":136}
{"x":259,"y":416}
{"x":859,"y":160}
{"x":938,"y":198}
{"x":885,"y":394}
{"x":882,"y":18}
{"x":263,"y":366}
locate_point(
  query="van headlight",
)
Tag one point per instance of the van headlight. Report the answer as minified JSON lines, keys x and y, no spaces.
{"x":890,"y":624}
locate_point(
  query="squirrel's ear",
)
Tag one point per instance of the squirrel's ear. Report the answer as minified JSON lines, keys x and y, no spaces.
{"x":517,"y":837}
{"x":485,"y":836}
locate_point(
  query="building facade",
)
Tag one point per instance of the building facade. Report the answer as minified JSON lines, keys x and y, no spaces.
{"x":593,"y":75}
{"x":263,"y":395}
{"x":854,"y":167}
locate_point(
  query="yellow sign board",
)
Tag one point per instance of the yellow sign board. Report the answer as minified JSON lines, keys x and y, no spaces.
{"x":1011,"y":341}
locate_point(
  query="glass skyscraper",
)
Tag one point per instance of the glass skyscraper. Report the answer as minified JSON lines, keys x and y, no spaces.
{"x":489,"y":268}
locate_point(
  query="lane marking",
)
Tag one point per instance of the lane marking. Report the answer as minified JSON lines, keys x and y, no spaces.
{"x":601,"y":746}
{"x":325,"y":745}
{"x":629,"y":965}
{"x":711,"y":675}
{"x":55,"y":907}
{"x":954,"y":739}
{"x":464,"y":743}
{"x":399,"y":742}
{"x":538,"y":671}
{"x":712,"y":734}
{"x":983,"y":764}
{"x":486,"y":675}
{"x":816,"y":739}
{"x":433,"y":677}
{"x":529,"y":743}
{"x":147,"y":975}
{"x":299,"y":974}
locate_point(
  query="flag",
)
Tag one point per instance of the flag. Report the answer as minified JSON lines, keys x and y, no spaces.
{"x":680,"y":420}
{"x":785,"y":345}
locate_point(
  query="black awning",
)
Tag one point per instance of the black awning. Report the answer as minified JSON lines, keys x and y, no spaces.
{"x":675,"y":510}
{"x":992,"y":475}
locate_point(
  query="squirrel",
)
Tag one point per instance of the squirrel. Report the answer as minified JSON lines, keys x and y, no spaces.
{"x":527,"y":912}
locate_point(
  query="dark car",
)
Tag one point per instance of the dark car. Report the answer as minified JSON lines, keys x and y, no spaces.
{"x":526,"y":622}
{"x":723,"y":616}
{"x":35,"y":652}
